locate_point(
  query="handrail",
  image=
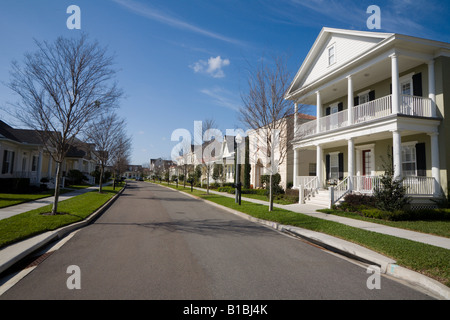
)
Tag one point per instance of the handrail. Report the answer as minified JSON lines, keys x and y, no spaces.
{"x":340,"y":190}
{"x":310,"y":189}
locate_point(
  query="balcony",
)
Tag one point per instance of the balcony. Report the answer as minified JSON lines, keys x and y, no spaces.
{"x":373,"y":110}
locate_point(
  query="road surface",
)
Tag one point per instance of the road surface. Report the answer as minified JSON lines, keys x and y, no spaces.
{"x":159,"y":244}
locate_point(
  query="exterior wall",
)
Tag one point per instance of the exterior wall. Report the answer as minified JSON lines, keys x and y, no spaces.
{"x":442,"y":69}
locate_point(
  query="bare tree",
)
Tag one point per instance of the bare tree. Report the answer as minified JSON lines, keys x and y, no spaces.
{"x":120,"y":156}
{"x":211,"y":147}
{"x":264,"y":111}
{"x":107,"y":136}
{"x":62,"y":86}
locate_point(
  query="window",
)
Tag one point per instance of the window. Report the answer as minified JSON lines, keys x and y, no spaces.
{"x":406,"y":88}
{"x":312,"y":169}
{"x":363,"y":98}
{"x":34,"y":164}
{"x":409,"y":160}
{"x":8,"y":162}
{"x":331,"y":55}
{"x":334,"y":166}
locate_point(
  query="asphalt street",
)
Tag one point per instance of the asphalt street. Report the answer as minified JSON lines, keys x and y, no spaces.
{"x":159,"y":244}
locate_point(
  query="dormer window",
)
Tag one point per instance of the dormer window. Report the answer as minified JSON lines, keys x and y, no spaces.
{"x":331,"y":55}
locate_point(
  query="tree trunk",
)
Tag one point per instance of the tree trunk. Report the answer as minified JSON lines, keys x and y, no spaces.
{"x":57,"y":187}
{"x":270,"y":193}
{"x":100,"y":182}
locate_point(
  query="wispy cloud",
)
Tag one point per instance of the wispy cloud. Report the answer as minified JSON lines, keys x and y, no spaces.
{"x":213,"y":66}
{"x":222,"y":98}
{"x":156,"y":15}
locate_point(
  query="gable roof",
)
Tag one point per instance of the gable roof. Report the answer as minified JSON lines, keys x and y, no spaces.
{"x":353,"y":42}
{"x":19,"y":135}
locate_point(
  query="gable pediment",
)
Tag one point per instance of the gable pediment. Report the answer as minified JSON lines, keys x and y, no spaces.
{"x":344,"y":45}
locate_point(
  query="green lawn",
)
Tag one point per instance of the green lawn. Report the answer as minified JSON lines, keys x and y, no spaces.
{"x":37,"y":221}
{"x":10,"y":199}
{"x":429,"y":260}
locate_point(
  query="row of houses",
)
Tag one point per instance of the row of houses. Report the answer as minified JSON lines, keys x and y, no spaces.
{"x":23,"y":155}
{"x":380,"y":98}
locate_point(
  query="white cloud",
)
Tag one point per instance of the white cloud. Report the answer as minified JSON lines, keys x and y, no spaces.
{"x":213,"y":66}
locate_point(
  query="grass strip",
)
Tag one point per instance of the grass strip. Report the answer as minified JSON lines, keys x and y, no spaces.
{"x":429,"y":260}
{"x":37,"y":221}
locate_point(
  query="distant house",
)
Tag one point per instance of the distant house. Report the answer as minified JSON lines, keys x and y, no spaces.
{"x":283,"y":155}
{"x":133,"y":172}
{"x":377,"y":95}
{"x":81,"y":157}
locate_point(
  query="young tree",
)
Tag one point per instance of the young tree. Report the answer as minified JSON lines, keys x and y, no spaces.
{"x":265,"y":111}
{"x":62,"y":86}
{"x":107,"y":136}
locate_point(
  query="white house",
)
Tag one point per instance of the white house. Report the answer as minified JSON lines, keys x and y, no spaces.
{"x":376,"y":94}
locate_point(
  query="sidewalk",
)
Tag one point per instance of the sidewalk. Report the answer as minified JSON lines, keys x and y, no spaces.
{"x":311,"y":210}
{"x":31,"y":205}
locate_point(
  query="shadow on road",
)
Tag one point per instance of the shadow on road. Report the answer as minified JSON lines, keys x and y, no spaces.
{"x":203,"y":227}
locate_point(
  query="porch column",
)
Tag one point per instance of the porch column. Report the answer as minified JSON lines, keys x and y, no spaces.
{"x":319,"y":164}
{"x":39,"y":168}
{"x":395,"y":84}
{"x":432,"y":87}
{"x":397,"y":154}
{"x":435,"y":166}
{"x":351,"y":162}
{"x":319,"y":111}
{"x":350,"y":99}
{"x":295,"y":119}
{"x":295,"y":168}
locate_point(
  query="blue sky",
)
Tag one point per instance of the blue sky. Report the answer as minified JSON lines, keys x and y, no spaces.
{"x":184,"y":60}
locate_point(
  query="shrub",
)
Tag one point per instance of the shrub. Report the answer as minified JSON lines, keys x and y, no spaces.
{"x":357,"y":202}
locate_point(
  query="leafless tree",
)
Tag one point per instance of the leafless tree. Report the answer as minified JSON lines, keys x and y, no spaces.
{"x":120,"y":157}
{"x":107,"y":136}
{"x":264,"y":110}
{"x":211,"y":147}
{"x":63,"y":86}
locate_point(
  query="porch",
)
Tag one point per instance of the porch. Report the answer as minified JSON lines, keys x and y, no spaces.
{"x":416,"y":187}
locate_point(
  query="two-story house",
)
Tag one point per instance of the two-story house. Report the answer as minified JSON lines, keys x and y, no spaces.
{"x":379,"y":97}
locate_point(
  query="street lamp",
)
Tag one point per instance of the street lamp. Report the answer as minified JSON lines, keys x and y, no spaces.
{"x":238,"y":183}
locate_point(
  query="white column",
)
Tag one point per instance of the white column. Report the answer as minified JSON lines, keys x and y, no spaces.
{"x":295,"y":168}
{"x":295,"y":120}
{"x":435,"y":166}
{"x":350,"y":100}
{"x":319,"y":165}
{"x":319,"y":110}
{"x":39,"y":168}
{"x":432,"y":87}
{"x":395,"y":84}
{"x":351,"y":162}
{"x":397,"y":154}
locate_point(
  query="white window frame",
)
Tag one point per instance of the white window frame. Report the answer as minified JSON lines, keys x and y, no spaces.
{"x":412,"y":147}
{"x":331,"y":47}
{"x":334,"y":157}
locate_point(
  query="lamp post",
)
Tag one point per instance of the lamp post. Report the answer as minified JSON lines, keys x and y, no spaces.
{"x":238,"y":182}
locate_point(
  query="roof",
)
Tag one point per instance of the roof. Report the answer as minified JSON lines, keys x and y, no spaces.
{"x":19,"y":135}
{"x":374,"y":42}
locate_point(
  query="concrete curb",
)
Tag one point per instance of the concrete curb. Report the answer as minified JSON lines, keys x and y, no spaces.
{"x":17,"y":251}
{"x":387,"y":265}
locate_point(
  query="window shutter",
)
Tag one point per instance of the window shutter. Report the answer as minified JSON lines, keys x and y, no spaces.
{"x":12,"y":162}
{"x":327,"y":165}
{"x":372,"y":95}
{"x":341,"y":166}
{"x":417,"y":84}
{"x":340,"y":106}
{"x":4,"y":165}
{"x":328,"y":111}
{"x":421,"y":160}
{"x":356,"y":101}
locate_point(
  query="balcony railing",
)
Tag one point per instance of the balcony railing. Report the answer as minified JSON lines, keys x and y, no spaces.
{"x":376,"y":109}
